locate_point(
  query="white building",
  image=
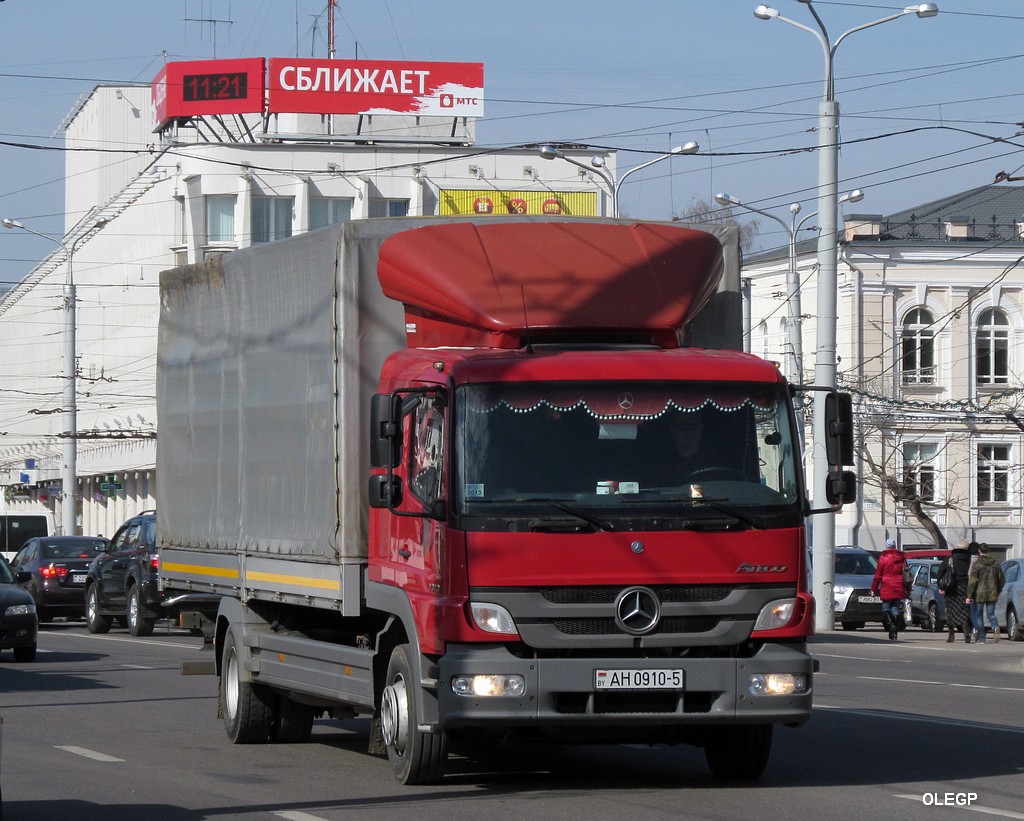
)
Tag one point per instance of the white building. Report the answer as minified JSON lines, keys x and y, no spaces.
{"x":931,"y":342}
{"x":203,"y":186}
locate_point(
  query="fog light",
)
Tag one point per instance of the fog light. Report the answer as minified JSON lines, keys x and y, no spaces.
{"x":484,"y":686}
{"x":778,"y":684}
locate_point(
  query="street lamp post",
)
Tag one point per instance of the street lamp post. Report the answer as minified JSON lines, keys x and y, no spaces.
{"x":823,"y":524}
{"x":550,"y":152}
{"x":69,"y":413}
{"x":794,"y":313}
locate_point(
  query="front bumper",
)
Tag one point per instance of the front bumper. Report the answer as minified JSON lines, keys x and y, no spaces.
{"x":18,"y":631}
{"x":560,"y":693}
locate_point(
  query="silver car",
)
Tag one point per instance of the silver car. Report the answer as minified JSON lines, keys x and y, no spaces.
{"x":855,"y":569}
{"x":1010,"y":604}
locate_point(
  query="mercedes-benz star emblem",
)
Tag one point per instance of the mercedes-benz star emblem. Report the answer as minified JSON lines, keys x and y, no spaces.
{"x":626,"y":401}
{"x":637,"y":610}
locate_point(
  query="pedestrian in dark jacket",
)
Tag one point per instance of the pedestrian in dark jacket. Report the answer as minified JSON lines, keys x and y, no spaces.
{"x":892,"y":584}
{"x":983,"y":588}
{"x":957,"y":614}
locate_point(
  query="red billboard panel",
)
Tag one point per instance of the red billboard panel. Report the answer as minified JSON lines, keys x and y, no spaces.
{"x":208,"y":87}
{"x":302,"y":86}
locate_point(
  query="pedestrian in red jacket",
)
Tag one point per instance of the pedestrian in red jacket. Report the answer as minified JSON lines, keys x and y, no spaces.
{"x":892,"y":584}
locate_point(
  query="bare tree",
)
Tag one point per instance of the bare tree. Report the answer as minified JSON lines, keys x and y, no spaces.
{"x":707,"y":212}
{"x":909,"y":483}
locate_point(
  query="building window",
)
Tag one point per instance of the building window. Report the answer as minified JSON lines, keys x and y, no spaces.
{"x":993,"y":348}
{"x":918,"y":348}
{"x":220,"y":218}
{"x":919,"y":468}
{"x":380,"y":207}
{"x":993,"y":481}
{"x":328,"y":211}
{"x":271,"y":218}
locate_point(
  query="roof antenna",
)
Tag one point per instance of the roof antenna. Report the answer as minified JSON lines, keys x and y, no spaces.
{"x":526,"y":320}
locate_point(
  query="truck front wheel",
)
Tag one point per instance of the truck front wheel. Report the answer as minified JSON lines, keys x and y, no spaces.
{"x":416,"y":757}
{"x":248,"y":708}
{"x":739,"y":752}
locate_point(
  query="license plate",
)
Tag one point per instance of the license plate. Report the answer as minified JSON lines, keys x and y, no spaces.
{"x":78,"y":578}
{"x":869,"y":599}
{"x":663,"y":679}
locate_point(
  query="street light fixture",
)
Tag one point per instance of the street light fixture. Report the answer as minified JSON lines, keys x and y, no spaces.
{"x":823,"y":524}
{"x":550,"y":152}
{"x":688,"y":148}
{"x":794,"y":312}
{"x":69,"y":413}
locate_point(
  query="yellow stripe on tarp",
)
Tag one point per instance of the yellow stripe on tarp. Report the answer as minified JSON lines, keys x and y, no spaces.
{"x":295,"y":581}
{"x":201,"y":570}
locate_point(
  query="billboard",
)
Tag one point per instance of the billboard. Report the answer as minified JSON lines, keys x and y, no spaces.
{"x":303,"y":86}
{"x":298,"y":86}
{"x":481,"y":202}
{"x":208,"y":87}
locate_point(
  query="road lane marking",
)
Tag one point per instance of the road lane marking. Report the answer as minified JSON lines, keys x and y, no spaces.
{"x":130,"y":640}
{"x":95,"y":756}
{"x":943,"y":683}
{"x":973,"y":808}
{"x":951,"y":722}
{"x":293,"y":815}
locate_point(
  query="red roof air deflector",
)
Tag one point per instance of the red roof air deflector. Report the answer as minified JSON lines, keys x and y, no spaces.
{"x":492,"y":285}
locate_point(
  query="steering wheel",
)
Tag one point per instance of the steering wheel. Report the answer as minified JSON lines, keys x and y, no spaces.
{"x":713,"y":473}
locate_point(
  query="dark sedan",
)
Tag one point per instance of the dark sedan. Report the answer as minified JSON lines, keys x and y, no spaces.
{"x":58,"y":566}
{"x":18,"y":624}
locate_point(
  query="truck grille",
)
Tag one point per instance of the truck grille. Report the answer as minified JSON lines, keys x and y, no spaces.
{"x":577,"y":617}
{"x":608,"y":594}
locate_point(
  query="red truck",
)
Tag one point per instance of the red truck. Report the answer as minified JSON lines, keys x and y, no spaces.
{"x":442,"y":473}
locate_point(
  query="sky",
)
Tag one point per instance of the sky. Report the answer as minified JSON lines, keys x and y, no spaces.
{"x":929,"y":107}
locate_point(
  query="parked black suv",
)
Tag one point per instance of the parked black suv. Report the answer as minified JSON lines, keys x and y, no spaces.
{"x":122,"y":583}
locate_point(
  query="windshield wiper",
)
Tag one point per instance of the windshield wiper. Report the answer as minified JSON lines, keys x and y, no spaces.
{"x":714,"y":504}
{"x":557,"y":503}
{"x":600,"y":524}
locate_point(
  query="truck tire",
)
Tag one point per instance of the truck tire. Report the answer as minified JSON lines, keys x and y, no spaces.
{"x":416,"y":757}
{"x":739,"y":752}
{"x":292,"y":722}
{"x":94,"y":620}
{"x":138,"y":625}
{"x":248,"y":708}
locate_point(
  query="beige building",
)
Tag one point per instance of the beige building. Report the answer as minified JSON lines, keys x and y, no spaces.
{"x":929,"y":341}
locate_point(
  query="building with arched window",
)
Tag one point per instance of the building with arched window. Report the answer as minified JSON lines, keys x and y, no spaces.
{"x":930,"y":340}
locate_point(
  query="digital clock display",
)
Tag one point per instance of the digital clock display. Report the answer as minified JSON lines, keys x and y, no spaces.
{"x":232,"y":85}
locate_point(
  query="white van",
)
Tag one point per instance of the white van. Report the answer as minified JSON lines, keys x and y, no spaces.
{"x":18,"y":528}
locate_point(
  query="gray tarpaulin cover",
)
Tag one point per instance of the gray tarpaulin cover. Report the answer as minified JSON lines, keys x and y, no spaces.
{"x":252,"y":380}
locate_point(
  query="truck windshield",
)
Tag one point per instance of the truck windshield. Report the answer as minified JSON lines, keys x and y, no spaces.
{"x":625,"y":444}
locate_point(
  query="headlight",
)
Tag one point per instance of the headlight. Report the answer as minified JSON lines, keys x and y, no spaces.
{"x":842,"y":590}
{"x":778,"y":684}
{"x":493,"y":618}
{"x":20,"y":610}
{"x":489,"y":685}
{"x":775,"y":614}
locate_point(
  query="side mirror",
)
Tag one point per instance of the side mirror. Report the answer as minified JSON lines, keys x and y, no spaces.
{"x":841,"y":488}
{"x":385,"y":431}
{"x":385,"y":490}
{"x":839,"y":428}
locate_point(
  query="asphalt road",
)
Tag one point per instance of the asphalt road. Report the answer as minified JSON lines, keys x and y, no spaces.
{"x":105,"y":728}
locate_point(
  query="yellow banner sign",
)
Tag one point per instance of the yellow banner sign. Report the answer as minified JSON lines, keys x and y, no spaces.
{"x":470,"y":202}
